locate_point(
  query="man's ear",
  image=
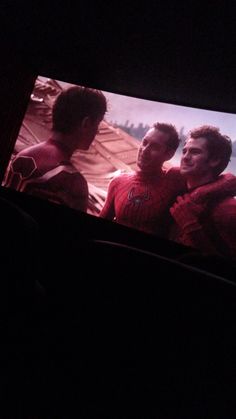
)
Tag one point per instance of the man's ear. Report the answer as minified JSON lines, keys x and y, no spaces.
{"x":213,"y":162}
{"x":86,"y":122}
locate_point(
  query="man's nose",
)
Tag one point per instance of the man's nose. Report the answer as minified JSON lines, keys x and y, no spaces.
{"x":146,"y":150}
{"x":186,"y":156}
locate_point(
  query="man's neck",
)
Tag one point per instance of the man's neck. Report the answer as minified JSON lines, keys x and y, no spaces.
{"x":150,"y":175}
{"x":62,"y":142}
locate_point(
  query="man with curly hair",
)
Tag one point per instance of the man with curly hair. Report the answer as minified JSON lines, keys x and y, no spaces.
{"x":205,"y":217}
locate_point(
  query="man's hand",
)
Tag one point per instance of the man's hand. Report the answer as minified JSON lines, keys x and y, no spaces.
{"x":186,"y":213}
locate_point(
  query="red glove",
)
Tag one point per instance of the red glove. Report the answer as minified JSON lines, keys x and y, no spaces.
{"x":186,"y":213}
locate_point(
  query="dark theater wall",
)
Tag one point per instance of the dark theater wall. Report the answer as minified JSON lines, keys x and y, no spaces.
{"x":118,"y":331}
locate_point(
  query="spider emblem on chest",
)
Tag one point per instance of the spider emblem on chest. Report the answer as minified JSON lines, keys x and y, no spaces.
{"x":138,"y":198}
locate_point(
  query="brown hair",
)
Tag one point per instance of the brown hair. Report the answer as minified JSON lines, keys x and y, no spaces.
{"x":74,"y":104}
{"x":219,"y":146}
{"x":173,"y":140}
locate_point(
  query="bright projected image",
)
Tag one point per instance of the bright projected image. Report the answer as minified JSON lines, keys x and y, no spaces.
{"x":132,"y":161}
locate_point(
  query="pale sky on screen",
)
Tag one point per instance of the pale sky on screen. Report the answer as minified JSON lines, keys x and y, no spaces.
{"x":122,"y":108}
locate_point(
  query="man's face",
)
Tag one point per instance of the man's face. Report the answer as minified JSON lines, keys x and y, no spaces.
{"x":153,"y":151}
{"x":195,"y":158}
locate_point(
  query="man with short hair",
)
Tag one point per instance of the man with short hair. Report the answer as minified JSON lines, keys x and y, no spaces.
{"x":141,"y":200}
{"x":205,"y":217}
{"x":45,"y":169}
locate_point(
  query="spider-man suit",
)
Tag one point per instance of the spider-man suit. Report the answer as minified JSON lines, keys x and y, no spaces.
{"x":142,"y":201}
{"x":61,"y":184}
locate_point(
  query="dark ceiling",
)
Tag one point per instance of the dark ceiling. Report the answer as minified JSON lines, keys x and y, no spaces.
{"x":170,"y":51}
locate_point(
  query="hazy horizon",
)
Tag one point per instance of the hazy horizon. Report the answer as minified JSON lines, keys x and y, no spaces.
{"x":123,"y":108}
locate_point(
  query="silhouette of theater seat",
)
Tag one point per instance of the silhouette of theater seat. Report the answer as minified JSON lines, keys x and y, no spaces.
{"x":131,"y":333}
{"x":148,"y":336}
{"x":19,"y":240}
{"x":128,"y":334}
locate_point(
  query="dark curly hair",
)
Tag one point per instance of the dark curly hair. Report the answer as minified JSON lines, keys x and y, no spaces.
{"x":219,"y":146}
{"x":74,"y":104}
{"x":173,"y":140}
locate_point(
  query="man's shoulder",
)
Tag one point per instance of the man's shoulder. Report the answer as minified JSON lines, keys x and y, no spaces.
{"x":172,"y":172}
{"x":227,"y":202}
{"x":175,"y":180}
{"x":31,"y":150}
{"x":123,"y":178}
{"x":225,"y":208}
{"x":30,"y":156}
